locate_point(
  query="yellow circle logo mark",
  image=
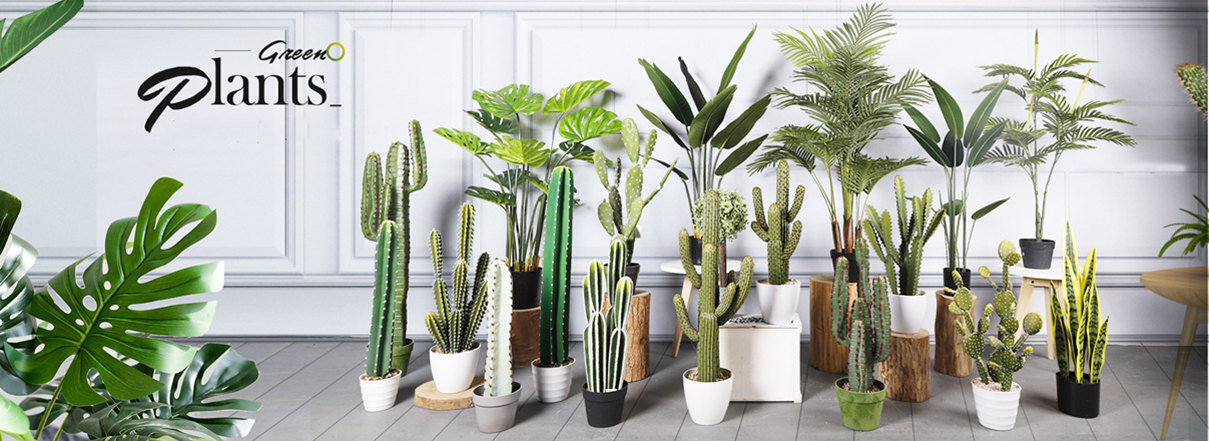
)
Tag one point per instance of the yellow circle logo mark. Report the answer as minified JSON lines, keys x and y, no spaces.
{"x":329,"y":51}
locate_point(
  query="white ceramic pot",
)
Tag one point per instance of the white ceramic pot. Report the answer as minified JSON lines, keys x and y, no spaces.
{"x":378,"y":395}
{"x":453,"y":373}
{"x":907,"y":313}
{"x":553,"y":383}
{"x":778,"y":303}
{"x":707,"y":402}
{"x":996,"y":410}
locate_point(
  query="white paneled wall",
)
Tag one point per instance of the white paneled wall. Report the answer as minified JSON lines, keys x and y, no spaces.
{"x":285,"y":179}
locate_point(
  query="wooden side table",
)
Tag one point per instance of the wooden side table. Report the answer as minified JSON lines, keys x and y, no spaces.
{"x":686,"y":292}
{"x":1189,"y":286}
{"x":1048,"y":280}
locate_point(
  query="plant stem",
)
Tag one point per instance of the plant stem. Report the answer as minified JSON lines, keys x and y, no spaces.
{"x":47,"y":411}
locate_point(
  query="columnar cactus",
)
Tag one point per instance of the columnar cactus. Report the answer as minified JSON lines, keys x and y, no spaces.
{"x":863,"y":326}
{"x":1008,"y":354}
{"x":386,"y":196}
{"x":378,"y":354}
{"x":1079,"y":336}
{"x":1193,"y":76}
{"x":712,"y":309}
{"x":619,"y":216}
{"x":498,"y":372}
{"x":915,"y":227}
{"x":781,"y":237}
{"x":605,"y":338}
{"x":457,"y":318}
{"x":556,"y":270}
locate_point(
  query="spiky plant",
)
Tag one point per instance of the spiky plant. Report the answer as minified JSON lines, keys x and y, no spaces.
{"x":554,"y":337}
{"x":864,"y":327}
{"x":1079,"y":336}
{"x":378,"y":353}
{"x":619,"y":216}
{"x":712,"y":309}
{"x":607,"y":293}
{"x":1193,"y":77}
{"x":1196,"y":232}
{"x":457,"y":318}
{"x":498,"y":371}
{"x":782,"y":238}
{"x":915,"y":227}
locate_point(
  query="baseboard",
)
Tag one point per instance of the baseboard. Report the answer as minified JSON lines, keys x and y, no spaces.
{"x":1126,"y":339}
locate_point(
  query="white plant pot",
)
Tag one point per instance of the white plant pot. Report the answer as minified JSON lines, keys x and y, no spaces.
{"x":707,"y":402}
{"x":908,"y":313}
{"x":553,"y":383}
{"x":379,"y":395}
{"x":996,"y":410}
{"x":453,"y":373}
{"x":778,"y":303}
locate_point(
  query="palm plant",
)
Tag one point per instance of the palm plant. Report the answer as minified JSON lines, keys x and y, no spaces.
{"x":854,"y":99}
{"x":1196,"y":233}
{"x":1053,"y":125}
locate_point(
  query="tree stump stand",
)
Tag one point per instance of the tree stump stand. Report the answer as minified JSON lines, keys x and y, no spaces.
{"x":638,"y":329}
{"x":826,"y":354}
{"x":951,"y":359}
{"x":525,"y":326}
{"x":428,"y":397}
{"x":906,"y":372}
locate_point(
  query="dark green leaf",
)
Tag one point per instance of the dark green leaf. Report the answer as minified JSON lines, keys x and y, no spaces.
{"x":982,"y":212}
{"x":740,"y":154}
{"x":16,"y":293}
{"x":729,"y":73}
{"x":693,"y":89}
{"x":679,"y":173}
{"x":978,"y":120}
{"x":733,"y":133}
{"x":577,"y":150}
{"x":978,"y":151}
{"x":948,"y":108}
{"x":929,"y":146}
{"x":658,"y":123}
{"x":493,"y":196}
{"x":925,"y":127}
{"x":512,"y":178}
{"x":27,"y":31}
{"x":952,"y":150}
{"x":669,"y":93}
{"x":216,"y":371}
{"x":493,"y":123}
{"x":953,"y":207}
{"x":710,"y":117}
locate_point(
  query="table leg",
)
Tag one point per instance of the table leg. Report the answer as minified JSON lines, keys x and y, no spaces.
{"x":1049,"y":322}
{"x":1026,"y":295}
{"x":686,"y":293}
{"x":1192,"y":317}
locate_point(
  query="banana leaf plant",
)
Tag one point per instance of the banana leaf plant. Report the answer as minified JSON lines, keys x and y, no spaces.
{"x":523,"y":162}
{"x":29,"y":30}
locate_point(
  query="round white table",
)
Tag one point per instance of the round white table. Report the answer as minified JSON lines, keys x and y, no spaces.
{"x":686,"y":292}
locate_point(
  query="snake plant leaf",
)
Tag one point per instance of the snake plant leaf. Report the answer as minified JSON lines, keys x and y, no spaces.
{"x":978,"y":120}
{"x":987,"y":209}
{"x":569,"y":97}
{"x":31,"y":29}
{"x":733,"y":133}
{"x":710,"y":117}
{"x":668,"y":93}
{"x":466,"y":140}
{"x":659,"y":124}
{"x":13,"y":422}
{"x":493,"y":196}
{"x":694,"y":89}
{"x":588,"y":123}
{"x":948,"y":108}
{"x":925,"y":127}
{"x":108,"y":316}
{"x":729,"y":73}
{"x":739,"y":155}
{"x":510,"y":101}
{"x":493,"y":123}
{"x":521,"y":151}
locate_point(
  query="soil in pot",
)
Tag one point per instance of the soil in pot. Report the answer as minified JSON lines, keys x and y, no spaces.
{"x":526,"y":289}
{"x":1078,"y":399}
{"x":604,"y":408}
{"x":495,"y":414}
{"x":996,"y":408}
{"x":952,"y":284}
{"x":553,"y":383}
{"x":778,"y":303}
{"x":860,"y":411}
{"x":1037,"y":254}
{"x":707,"y":402}
{"x":854,"y":270}
{"x":379,"y":393}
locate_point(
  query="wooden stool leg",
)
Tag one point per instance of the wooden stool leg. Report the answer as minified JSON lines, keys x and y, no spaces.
{"x":1191,"y":320}
{"x":1026,"y":295}
{"x":686,"y":292}
{"x":1049,"y":319}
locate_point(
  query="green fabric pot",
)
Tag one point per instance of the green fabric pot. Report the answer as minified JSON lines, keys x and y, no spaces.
{"x":861,"y":411}
{"x":401,"y":360}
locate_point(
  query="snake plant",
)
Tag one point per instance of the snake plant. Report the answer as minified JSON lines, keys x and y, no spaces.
{"x":1080,"y":337}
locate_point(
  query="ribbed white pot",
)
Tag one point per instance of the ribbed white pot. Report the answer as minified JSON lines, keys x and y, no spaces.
{"x":908,"y":314}
{"x":996,"y":410}
{"x":453,"y":373}
{"x":778,"y":303}
{"x":379,"y":395}
{"x":707,"y":402}
{"x":553,"y":383}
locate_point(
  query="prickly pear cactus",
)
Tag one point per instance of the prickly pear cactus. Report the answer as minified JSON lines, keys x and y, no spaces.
{"x":779,"y":230}
{"x":865,"y":326}
{"x":619,"y":215}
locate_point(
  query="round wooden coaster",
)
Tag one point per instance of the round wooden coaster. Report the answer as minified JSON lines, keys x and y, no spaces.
{"x":428,"y":397}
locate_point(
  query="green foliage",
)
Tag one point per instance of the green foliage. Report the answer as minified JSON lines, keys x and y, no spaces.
{"x":916,"y":224}
{"x":1193,"y":77}
{"x":732,"y":214}
{"x":16,"y":291}
{"x":863,"y":325}
{"x":1079,"y":336}
{"x":556,"y":274}
{"x":607,"y":293}
{"x":853,"y":99}
{"x":27,"y":31}
{"x":619,"y":216}
{"x":457,"y":317}
{"x":378,"y":352}
{"x":1196,"y":232}
{"x":782,"y":238}
{"x":497,"y":373}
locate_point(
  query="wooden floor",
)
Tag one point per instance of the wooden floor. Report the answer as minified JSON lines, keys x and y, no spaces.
{"x":310,"y":391}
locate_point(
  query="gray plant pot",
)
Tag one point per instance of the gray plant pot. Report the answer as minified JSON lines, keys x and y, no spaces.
{"x":495,"y":414}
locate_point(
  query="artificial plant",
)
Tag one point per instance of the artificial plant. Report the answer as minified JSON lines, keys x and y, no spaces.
{"x":916,"y":224}
{"x":780,"y":229}
{"x":732,"y":214}
{"x":457,"y":318}
{"x":1193,"y":77}
{"x":619,"y":216}
{"x":712,"y":309}
{"x":378,"y":351}
{"x":386,"y":195}
{"x":705,"y":138}
{"x":27,"y":31}
{"x":527,"y":161}
{"x":607,"y":293}
{"x":861,"y":324}
{"x":1195,"y":232}
{"x":853,"y":99}
{"x":1080,"y":337}
{"x":1052,"y":125}
{"x":497,"y":373}
{"x":16,"y":291}
{"x":554,"y":337}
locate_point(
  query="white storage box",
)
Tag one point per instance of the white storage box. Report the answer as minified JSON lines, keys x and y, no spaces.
{"x":764,"y":359}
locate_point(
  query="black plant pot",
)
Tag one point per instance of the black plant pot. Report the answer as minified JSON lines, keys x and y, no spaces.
{"x":631,"y":271}
{"x":694,"y":249}
{"x":854,"y":270}
{"x":952,"y":284}
{"x":1078,"y":399}
{"x":526,"y":289}
{"x":1037,"y":253}
{"x":604,"y":408}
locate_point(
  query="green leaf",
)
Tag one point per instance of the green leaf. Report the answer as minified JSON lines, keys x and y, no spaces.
{"x":13,"y":421}
{"x":979,"y":150}
{"x":493,"y":123}
{"x":982,"y":212}
{"x":668,"y":93}
{"x":216,"y":371}
{"x":588,"y":123}
{"x":120,"y":306}
{"x":709,"y":118}
{"x":925,"y":127}
{"x":570,"y":96}
{"x":953,"y":207}
{"x":522,"y":151}
{"x":654,"y":119}
{"x":510,"y":101}
{"x":493,"y":196}
{"x":693,"y":89}
{"x":733,"y":133}
{"x":978,"y":120}
{"x":737,"y":157}
{"x":948,"y":108}
{"x":468,"y":141}
{"x":729,"y":73}
{"x":929,"y":146}
{"x":27,"y":31}
{"x":16,"y":325}
{"x":952,"y":151}
{"x":679,"y":173}
{"x":577,"y":150}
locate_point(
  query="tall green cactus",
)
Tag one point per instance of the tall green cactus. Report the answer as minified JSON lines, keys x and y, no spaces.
{"x":556,"y":273}
{"x":915,"y":227}
{"x":1193,"y":77}
{"x":1080,"y":338}
{"x":378,"y":354}
{"x":619,"y":216}
{"x":457,"y":318}
{"x":1008,"y":354}
{"x":498,"y":372}
{"x":712,"y":309}
{"x":385,"y":195}
{"x":864,"y":327}
{"x":781,"y":237}
{"x":605,"y":338}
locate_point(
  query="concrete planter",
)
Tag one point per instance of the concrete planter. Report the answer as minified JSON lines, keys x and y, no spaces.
{"x":495,"y":414}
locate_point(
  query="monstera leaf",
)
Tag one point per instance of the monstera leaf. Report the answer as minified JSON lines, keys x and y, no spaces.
{"x":109,"y":315}
{"x":16,"y":257}
{"x":29,"y":30}
{"x":588,"y":123}
{"x":510,"y":101}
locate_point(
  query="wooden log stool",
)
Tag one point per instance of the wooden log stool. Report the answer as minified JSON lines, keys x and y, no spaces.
{"x":638,"y":329}
{"x":907,"y":371}
{"x":525,"y":326}
{"x":428,"y":397}
{"x":951,"y":358}
{"x":826,"y":354}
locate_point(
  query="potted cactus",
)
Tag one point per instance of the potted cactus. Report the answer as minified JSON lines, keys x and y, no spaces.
{"x":385,"y":195}
{"x":917,"y":223}
{"x":553,"y":368}
{"x":495,"y":401}
{"x":778,"y":294}
{"x":863,"y":325}
{"x":1079,"y":336}
{"x":380,"y":383}
{"x":454,"y":353}
{"x":996,"y":396}
{"x":707,"y":387}
{"x":607,"y":293}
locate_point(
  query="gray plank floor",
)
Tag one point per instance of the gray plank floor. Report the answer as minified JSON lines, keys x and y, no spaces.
{"x":309,"y":391}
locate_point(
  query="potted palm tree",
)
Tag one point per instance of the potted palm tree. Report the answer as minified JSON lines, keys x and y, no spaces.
{"x":607,"y":293}
{"x":778,"y":294}
{"x":917,"y":223}
{"x":863,"y":325}
{"x":1080,"y":337}
{"x":455,"y":354}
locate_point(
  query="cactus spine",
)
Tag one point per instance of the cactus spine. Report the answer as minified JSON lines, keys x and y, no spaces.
{"x":1008,"y":354}
{"x":556,"y":273}
{"x":864,"y":327}
{"x":712,"y":309}
{"x":498,"y":372}
{"x":1193,"y":76}
{"x":915,"y":227}
{"x":457,"y":318}
{"x":776,"y":230}
{"x":618,"y":216}
{"x":1079,"y":336}
{"x":386,"y":196}
{"x":378,"y":355}
{"x":605,"y":338}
